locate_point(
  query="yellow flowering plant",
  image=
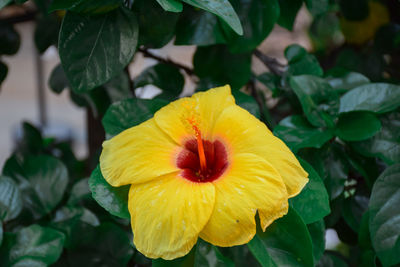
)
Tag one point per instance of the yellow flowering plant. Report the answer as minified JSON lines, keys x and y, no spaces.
{"x":201,"y":167}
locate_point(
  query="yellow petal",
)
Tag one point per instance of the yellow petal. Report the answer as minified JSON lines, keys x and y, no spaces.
{"x":246,"y":134}
{"x":204,"y":106}
{"x":137,"y":155}
{"x":249,"y":185}
{"x":167,"y":215}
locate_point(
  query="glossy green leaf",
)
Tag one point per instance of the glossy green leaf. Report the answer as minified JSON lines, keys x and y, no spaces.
{"x":348,"y":81}
{"x":353,"y":209}
{"x":171,"y":5}
{"x":357,"y":126}
{"x":9,"y":39}
{"x":258,"y":17}
{"x":240,"y":255}
{"x":312,"y":204}
{"x":384,"y":221}
{"x":198,"y":27}
{"x":300,"y":62}
{"x":221,"y":8}
{"x":80,"y":191}
{"x":42,"y":181}
{"x":288,"y":14}
{"x":32,"y":246}
{"x":166,"y":77}
{"x":86,"y":6}
{"x":119,"y":87}
{"x":10,"y":199}
{"x":58,"y":81}
{"x":156,"y":26}
{"x":288,"y":242}
{"x":317,"y":233}
{"x":221,"y":66}
{"x":72,"y":221}
{"x":3,"y":72}
{"x":207,"y":255}
{"x":247,"y":102}
{"x":298,"y":133}
{"x":318,"y":100}
{"x":385,"y":144}
{"x":113,"y":199}
{"x":130,"y":112}
{"x":94,"y":49}
{"x":375,"y":97}
{"x":368,"y":255}
{"x":32,"y":140}
{"x":46,"y":32}
{"x":1,"y":232}
{"x":257,"y":248}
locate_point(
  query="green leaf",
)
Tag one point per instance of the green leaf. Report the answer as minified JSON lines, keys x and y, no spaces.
{"x":42,"y":181}
{"x":348,"y":81}
{"x":312,"y":204}
{"x":300,"y":62}
{"x":3,"y":72}
{"x":73,"y":221}
{"x":317,"y":7}
{"x":198,"y":27}
{"x":354,"y":10}
{"x":384,"y":221}
{"x":357,"y":126}
{"x":385,"y":144}
{"x":257,"y":248}
{"x":241,"y":255}
{"x":221,"y":66}
{"x":58,"y":81}
{"x":10,"y":199}
{"x":375,"y":97}
{"x":221,"y":8}
{"x":207,"y":255}
{"x":288,"y":242}
{"x":46,"y":32}
{"x":288,"y":14}
{"x":80,"y":191}
{"x":186,"y":261}
{"x":318,"y":100}
{"x":94,"y":49}
{"x":331,"y":260}
{"x":164,"y":76}
{"x":9,"y":40}
{"x":32,"y":141}
{"x":247,"y":102}
{"x":128,"y":113}
{"x":1,"y":232}
{"x":85,"y":6}
{"x":368,"y":255}
{"x":298,"y":133}
{"x":171,"y":5}
{"x":353,"y":209}
{"x":258,"y":17}
{"x":156,"y":26}
{"x":317,"y":233}
{"x":119,"y":87}
{"x":113,"y":199}
{"x":32,"y":246}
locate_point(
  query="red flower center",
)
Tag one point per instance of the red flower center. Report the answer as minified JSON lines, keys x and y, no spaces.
{"x":190,"y":160}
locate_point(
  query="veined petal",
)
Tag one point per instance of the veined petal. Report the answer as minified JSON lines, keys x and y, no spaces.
{"x":204,"y":106}
{"x":167,"y":215}
{"x":246,"y":134}
{"x":137,"y":155}
{"x":249,"y":185}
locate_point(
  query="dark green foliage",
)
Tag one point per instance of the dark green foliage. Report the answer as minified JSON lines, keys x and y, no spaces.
{"x":336,"y":106}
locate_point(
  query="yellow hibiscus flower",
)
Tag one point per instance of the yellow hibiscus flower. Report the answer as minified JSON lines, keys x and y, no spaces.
{"x":201,"y":167}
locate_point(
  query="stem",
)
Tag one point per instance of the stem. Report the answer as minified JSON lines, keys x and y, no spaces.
{"x":131,"y":82}
{"x":149,"y":54}
{"x":271,"y":63}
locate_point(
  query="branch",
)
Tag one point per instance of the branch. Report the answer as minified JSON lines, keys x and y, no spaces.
{"x":131,"y":83}
{"x":147,"y":53}
{"x":271,"y":63}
